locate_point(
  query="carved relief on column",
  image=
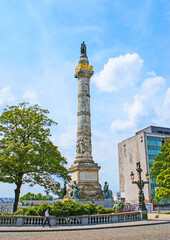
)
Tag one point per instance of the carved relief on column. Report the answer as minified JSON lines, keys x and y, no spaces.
{"x":84,"y":147}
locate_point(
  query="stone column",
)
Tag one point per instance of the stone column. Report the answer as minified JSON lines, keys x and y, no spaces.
{"x":84,"y":171}
{"x":83,"y":147}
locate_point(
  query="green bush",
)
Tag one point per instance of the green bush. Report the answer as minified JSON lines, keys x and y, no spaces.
{"x":65,"y":208}
{"x":42,"y":208}
{"x":6,"y":214}
{"x":111,"y":210}
{"x":72,"y":208}
{"x":90,"y":208}
{"x":31,"y":212}
{"x":101,"y":210}
{"x":57,"y":209}
{"x":79,"y":209}
{"x":19,"y":212}
{"x":23,"y":211}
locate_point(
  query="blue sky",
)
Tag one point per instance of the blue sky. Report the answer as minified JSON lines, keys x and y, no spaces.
{"x":128,"y":45}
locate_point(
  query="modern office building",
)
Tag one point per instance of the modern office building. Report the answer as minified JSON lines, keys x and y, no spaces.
{"x":116,"y":196}
{"x":144,"y":146}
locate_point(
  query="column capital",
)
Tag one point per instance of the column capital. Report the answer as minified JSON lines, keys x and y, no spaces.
{"x":80,"y":72}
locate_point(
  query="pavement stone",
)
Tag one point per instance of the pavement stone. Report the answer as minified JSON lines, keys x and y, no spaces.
{"x":147,"y":232}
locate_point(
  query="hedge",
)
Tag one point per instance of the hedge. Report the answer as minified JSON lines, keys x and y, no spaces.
{"x":64,"y":208}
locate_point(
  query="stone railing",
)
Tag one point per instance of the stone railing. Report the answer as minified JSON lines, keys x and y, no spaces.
{"x":21,"y":220}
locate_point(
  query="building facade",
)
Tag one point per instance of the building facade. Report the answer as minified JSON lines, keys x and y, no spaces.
{"x":144,"y":146}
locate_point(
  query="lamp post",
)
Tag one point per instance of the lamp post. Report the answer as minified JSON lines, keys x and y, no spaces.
{"x":140,"y":183}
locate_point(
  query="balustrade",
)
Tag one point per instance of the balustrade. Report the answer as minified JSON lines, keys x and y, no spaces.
{"x":72,"y":220}
{"x":63,"y":221}
{"x":8,"y":220}
{"x":33,"y":221}
{"x":125,"y":217}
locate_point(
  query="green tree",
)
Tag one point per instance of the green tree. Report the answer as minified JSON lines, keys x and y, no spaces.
{"x":27,"y":155}
{"x":161,"y":171}
{"x":33,"y":196}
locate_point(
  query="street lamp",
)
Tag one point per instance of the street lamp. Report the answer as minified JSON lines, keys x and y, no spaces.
{"x":140,"y":183}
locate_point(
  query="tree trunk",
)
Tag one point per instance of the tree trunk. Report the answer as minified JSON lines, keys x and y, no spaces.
{"x":17,"y":194}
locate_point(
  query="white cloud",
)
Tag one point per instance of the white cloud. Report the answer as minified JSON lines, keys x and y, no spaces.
{"x":153,"y":74}
{"x":137,"y":108}
{"x":167,"y":99}
{"x":119,"y":72}
{"x":134,"y":110}
{"x":5,"y":95}
{"x":30,"y":95}
{"x":121,"y":125}
{"x":148,"y":100}
{"x":153,"y":84}
{"x":162,"y":110}
{"x":68,"y":138}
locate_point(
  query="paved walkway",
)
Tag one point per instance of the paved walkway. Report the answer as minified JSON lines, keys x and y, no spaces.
{"x":148,"y":232}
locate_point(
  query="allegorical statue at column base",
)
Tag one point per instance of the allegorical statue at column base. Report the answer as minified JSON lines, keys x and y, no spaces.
{"x":108,"y":196}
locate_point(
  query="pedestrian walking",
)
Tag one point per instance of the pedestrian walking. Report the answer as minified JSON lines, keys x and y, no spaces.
{"x":46,"y":218}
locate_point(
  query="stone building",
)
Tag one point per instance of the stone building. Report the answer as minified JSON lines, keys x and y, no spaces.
{"x":143,"y":147}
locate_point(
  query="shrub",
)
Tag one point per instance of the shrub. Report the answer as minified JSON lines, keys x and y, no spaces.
{"x":25,"y":211}
{"x":31,"y":212}
{"x":67,"y":208}
{"x":58,"y":209}
{"x":90,"y":208}
{"x":79,"y":209}
{"x":6,"y":214}
{"x":72,"y":208}
{"x":19,"y":212}
{"x":101,"y":210}
{"x":111,"y":210}
{"x":42,"y":208}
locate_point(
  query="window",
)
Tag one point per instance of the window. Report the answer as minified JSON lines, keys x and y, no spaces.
{"x":153,"y":147}
{"x":151,"y":156}
{"x":124,"y":150}
{"x":161,"y":132}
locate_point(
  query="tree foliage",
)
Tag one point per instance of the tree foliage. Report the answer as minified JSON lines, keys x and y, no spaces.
{"x":161,"y":171}
{"x":27,"y":155}
{"x":33,"y":196}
